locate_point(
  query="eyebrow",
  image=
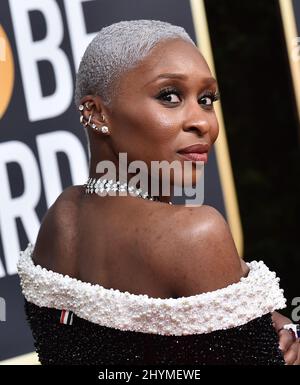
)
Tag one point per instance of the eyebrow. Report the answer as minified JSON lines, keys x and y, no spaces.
{"x":168,"y":75}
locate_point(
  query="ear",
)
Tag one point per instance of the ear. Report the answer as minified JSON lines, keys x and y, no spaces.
{"x":94,"y":105}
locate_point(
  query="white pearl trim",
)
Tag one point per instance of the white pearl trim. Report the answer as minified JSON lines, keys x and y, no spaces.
{"x":236,"y":304}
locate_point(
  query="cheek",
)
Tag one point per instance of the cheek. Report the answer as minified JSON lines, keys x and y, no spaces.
{"x":165,"y":126}
{"x":148,"y":121}
{"x":161,"y":123}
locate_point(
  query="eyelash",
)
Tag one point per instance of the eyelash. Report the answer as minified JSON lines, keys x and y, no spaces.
{"x":214,"y":96}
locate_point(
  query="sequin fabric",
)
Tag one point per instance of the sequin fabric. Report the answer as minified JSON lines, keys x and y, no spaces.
{"x":83,"y":342}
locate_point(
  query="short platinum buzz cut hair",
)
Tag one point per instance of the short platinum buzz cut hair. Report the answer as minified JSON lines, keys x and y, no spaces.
{"x":116,"y":49}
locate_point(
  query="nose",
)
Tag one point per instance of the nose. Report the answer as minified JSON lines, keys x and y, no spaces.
{"x":202,"y":126}
{"x":197,"y":121}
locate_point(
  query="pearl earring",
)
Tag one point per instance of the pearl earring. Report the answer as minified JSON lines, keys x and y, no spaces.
{"x":104,"y":129}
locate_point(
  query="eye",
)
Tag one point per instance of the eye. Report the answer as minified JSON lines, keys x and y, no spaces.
{"x":170,"y":95}
{"x":208,"y":98}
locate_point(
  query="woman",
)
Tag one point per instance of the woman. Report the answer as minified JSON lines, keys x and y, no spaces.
{"x":120,"y":279}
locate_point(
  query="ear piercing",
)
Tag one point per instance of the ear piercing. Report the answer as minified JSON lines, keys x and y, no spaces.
{"x":85,"y":123}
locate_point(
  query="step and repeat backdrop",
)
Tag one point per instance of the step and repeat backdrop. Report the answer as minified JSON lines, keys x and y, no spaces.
{"x":42,"y":145}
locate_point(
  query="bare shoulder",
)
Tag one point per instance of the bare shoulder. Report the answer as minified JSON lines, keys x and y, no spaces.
{"x":201,"y":254}
{"x":57,"y":231}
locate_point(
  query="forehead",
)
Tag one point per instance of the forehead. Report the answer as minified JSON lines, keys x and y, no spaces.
{"x":170,"y":56}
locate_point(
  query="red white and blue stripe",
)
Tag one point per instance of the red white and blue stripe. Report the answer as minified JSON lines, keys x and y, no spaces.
{"x":66,"y":317}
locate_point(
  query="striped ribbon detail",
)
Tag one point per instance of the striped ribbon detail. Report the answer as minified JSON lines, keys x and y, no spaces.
{"x":66,"y":317}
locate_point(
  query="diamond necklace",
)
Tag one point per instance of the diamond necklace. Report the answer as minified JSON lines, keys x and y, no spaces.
{"x":94,"y":185}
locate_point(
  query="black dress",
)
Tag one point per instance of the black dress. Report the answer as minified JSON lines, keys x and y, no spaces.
{"x":75,"y":322}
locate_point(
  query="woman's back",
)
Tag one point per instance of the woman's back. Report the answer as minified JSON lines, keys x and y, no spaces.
{"x":105,"y":241}
{"x":164,"y":251}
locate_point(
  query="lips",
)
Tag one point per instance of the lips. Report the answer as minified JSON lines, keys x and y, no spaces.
{"x":194,"y":156}
{"x":198,"y":148}
{"x":195,"y":152}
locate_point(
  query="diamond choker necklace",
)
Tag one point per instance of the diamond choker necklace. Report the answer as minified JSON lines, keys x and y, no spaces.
{"x":99,"y":185}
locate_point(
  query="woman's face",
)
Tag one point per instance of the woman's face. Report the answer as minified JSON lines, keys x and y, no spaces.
{"x":164,"y":105}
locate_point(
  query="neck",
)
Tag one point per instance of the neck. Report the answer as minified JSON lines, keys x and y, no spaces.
{"x":160,"y":196}
{"x":93,"y":174}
